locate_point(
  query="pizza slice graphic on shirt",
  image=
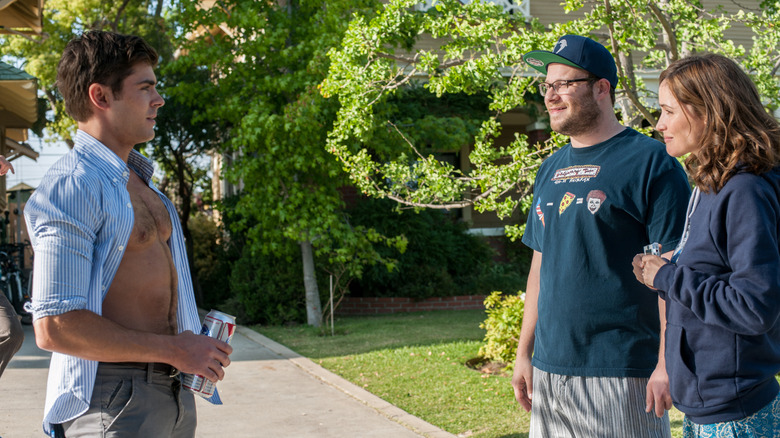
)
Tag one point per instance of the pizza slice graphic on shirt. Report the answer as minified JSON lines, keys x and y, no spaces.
{"x":566,"y":202}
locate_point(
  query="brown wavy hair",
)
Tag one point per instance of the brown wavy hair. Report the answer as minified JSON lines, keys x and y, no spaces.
{"x":740,"y":135}
{"x":98,"y":57}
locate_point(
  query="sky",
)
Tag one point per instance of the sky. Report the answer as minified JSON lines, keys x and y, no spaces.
{"x":31,"y":172}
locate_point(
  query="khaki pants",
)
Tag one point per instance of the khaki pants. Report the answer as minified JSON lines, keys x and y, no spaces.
{"x":130,"y":402}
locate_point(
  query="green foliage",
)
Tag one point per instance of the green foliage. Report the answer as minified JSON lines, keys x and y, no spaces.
{"x":370,"y":69}
{"x":441,"y":258}
{"x":213,"y":257}
{"x":267,"y":289}
{"x":183,"y":137}
{"x":264,"y":78}
{"x":430,"y":123}
{"x":508,"y":276}
{"x":264,"y":288}
{"x":477,"y":49}
{"x":502,"y":327}
{"x":268,"y":71}
{"x":257,"y":288}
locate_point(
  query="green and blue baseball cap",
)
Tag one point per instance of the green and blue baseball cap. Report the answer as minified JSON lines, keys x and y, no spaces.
{"x":576,"y":51}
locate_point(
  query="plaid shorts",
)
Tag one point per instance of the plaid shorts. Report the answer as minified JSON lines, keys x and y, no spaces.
{"x":763,"y":424}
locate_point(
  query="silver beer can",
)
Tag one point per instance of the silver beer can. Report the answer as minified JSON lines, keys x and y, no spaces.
{"x":653,"y":249}
{"x":220,"y":326}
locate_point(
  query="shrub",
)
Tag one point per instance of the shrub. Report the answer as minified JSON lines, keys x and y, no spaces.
{"x":505,"y":317}
{"x":505,"y":277}
{"x":268,"y":288}
{"x":212,"y":260}
{"x":256,"y":288}
{"x":441,"y":258}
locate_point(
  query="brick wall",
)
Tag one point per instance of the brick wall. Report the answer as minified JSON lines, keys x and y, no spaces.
{"x":375,"y":306}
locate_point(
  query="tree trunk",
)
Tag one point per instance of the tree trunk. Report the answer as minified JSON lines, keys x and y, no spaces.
{"x":313,"y":305}
{"x":196,"y":289}
{"x":184,"y":190}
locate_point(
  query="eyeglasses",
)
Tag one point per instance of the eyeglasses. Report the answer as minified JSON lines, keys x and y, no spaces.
{"x":562,"y":86}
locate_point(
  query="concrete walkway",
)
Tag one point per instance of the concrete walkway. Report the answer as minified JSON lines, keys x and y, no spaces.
{"x":268,"y":391}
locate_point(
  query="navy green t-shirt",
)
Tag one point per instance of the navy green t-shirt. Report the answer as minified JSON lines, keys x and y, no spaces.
{"x":594,"y":208}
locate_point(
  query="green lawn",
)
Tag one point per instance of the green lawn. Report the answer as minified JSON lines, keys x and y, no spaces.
{"x":416,"y":362}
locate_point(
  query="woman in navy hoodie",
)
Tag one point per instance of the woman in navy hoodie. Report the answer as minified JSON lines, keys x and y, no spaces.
{"x":722,"y":286}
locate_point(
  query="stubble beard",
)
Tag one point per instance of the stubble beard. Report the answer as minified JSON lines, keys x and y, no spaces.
{"x":584,"y":116}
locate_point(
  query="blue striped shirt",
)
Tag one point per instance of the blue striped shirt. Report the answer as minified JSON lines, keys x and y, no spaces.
{"x":80,"y":219}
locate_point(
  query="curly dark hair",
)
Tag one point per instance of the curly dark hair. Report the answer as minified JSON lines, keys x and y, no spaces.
{"x":740,"y":135}
{"x":98,"y":57}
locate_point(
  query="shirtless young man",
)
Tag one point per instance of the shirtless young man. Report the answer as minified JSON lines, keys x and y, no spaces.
{"x":112,"y":292}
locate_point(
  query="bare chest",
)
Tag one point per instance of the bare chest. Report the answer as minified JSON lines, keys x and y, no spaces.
{"x":152,"y":223}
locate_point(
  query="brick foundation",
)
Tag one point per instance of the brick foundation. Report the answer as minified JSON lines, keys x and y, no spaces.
{"x":375,"y":305}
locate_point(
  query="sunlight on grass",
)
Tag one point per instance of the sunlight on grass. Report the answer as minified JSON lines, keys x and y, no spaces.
{"x":676,"y":418}
{"x":416,"y":361}
{"x":355,"y":335}
{"x":431,"y":382}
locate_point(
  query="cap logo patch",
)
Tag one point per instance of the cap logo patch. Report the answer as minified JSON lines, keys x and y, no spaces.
{"x":535,"y":62}
{"x":561,"y":43}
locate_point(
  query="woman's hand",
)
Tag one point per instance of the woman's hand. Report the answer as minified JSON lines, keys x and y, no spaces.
{"x":646,"y":267}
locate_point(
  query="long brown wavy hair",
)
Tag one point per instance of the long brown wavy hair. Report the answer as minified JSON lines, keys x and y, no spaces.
{"x":740,"y":135}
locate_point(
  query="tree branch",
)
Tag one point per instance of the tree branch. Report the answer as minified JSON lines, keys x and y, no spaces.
{"x":777,"y":66}
{"x":119,"y":12}
{"x":393,"y":86}
{"x":622,"y":76}
{"x":414,"y":60}
{"x":158,"y":9}
{"x":51,"y":98}
{"x":671,"y":38}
